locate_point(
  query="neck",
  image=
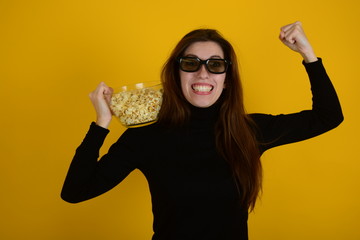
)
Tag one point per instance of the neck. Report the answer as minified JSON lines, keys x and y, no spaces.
{"x":208,"y":115}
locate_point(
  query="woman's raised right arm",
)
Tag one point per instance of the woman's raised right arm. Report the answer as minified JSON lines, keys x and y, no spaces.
{"x":87,"y":177}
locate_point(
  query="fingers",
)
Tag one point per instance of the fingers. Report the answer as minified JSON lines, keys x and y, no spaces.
{"x":289,"y":26}
{"x":291,"y":32}
{"x":102,"y":91}
{"x":108,"y":92}
{"x":100,"y":99}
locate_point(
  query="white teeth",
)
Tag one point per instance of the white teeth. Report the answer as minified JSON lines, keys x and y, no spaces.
{"x":202,"y":88}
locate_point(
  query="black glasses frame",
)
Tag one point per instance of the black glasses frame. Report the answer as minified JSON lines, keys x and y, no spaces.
{"x":206,"y":62}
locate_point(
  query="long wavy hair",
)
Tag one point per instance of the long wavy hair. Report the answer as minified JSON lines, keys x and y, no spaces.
{"x":235,"y":137}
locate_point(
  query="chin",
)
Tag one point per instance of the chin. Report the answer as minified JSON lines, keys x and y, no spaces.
{"x":202,"y":104}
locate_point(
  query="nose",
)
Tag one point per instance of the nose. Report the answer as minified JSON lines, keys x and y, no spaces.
{"x":203,"y":72}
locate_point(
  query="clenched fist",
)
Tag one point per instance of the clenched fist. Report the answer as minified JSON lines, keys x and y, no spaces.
{"x":100,"y":99}
{"x":293,"y":36}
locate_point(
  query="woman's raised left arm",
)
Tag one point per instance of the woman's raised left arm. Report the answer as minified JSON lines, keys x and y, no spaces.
{"x":326,"y":113}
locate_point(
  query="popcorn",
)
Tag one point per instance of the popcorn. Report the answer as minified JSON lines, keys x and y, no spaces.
{"x":137,"y":106}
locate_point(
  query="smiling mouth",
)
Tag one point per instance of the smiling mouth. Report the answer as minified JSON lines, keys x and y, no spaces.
{"x":202,"y":88}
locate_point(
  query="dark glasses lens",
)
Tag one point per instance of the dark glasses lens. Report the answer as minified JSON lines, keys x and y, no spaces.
{"x":213,"y":65}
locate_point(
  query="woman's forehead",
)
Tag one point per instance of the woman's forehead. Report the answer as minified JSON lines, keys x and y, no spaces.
{"x":204,"y":50}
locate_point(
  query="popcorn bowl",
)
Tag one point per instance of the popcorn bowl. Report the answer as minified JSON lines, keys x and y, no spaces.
{"x":137,"y":105}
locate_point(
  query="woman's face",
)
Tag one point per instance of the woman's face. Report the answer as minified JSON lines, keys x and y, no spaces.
{"x":202,"y":88}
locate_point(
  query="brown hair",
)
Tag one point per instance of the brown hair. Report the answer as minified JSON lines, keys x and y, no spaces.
{"x":235,"y":138}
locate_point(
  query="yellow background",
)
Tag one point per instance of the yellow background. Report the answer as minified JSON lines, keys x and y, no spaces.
{"x":53,"y":53}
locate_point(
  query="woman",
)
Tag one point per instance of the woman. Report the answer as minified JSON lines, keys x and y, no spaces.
{"x":202,"y":157}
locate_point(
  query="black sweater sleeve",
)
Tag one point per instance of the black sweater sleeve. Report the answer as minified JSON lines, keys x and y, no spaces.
{"x":87,"y":177}
{"x":326,"y":114}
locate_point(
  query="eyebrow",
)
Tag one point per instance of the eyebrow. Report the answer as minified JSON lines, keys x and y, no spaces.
{"x":193,"y":55}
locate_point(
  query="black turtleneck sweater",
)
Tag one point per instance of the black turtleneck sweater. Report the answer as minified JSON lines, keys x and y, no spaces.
{"x":192,"y":188}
